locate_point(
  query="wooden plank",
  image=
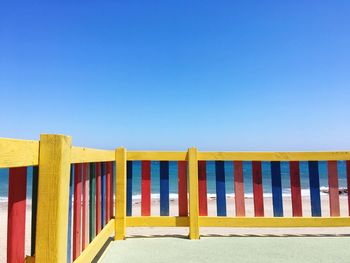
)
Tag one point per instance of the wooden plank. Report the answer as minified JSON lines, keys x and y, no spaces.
{"x":270,"y":222}
{"x":164,"y":188}
{"x":146,"y":188}
{"x":120,"y":204}
{"x":92,"y":207}
{"x":274,"y":156}
{"x":34,"y":208}
{"x":129,"y":188}
{"x":16,"y":214}
{"x":53,"y":197}
{"x":295,"y":188}
{"x":98,"y":198}
{"x":18,"y":153}
{"x":182,"y":188}
{"x":314,"y":188}
{"x":202,"y":188}
{"x":111,"y":212}
{"x":348,"y":182}
{"x":97,"y":244}
{"x":239,"y":188}
{"x":156,"y":156}
{"x":103,"y":194}
{"x":109,"y":170}
{"x":333,"y":188}
{"x":258,"y":189}
{"x":70,"y":212}
{"x":193,"y":193}
{"x":77,"y":215}
{"x":157,"y":221}
{"x":220,"y":188}
{"x":85,"y":208}
{"x":277,"y":200}
{"x":88,"y":155}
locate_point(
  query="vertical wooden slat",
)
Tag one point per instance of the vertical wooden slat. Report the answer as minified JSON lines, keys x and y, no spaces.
{"x":53,"y":198}
{"x":111,"y":192}
{"x":333,"y":188}
{"x":182,"y":188}
{"x":202,"y":188}
{"x":276,"y":189}
{"x":146,"y":188}
{"x":70,"y":213}
{"x":164,"y":188}
{"x":220,"y":188}
{"x":98,"y":198}
{"x":294,"y":171}
{"x":108,"y":190}
{"x":92,"y":204}
{"x":193,"y":193}
{"x":103,"y":194}
{"x":85,"y":208}
{"x":314,"y":188}
{"x":16,"y":214}
{"x":34,"y":208}
{"x":120,"y":204}
{"x":129,"y":189}
{"x":239,"y":188}
{"x":77,"y":210}
{"x":258,"y":189}
{"x":348,"y":183}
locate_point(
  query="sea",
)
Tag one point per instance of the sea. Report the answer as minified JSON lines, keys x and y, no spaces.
{"x":211,"y":187}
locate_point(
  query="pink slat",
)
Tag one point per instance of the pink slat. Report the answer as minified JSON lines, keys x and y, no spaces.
{"x":333,"y":188}
{"x":77,"y":210}
{"x":295,"y":188}
{"x":98,"y":198}
{"x":85,"y":209}
{"x":239,"y":188}
{"x":16,"y":214}
{"x":258,"y":189}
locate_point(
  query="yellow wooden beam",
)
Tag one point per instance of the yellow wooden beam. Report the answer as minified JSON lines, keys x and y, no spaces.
{"x":17,"y":153}
{"x":205,"y":221}
{"x":157,"y":221}
{"x":120,"y":203}
{"x":193,"y":193}
{"x":88,"y":155}
{"x":156,"y":156}
{"x":96,"y":244}
{"x":274,"y":156}
{"x":53,"y":196}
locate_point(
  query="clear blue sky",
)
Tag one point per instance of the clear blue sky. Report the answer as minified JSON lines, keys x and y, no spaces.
{"x":219,"y":75}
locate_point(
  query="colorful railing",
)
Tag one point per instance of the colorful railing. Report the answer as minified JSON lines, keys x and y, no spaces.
{"x":73,"y":194}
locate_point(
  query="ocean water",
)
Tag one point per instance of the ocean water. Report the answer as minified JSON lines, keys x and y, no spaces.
{"x":211,"y":187}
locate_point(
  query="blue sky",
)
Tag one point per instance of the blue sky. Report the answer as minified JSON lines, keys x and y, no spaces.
{"x":219,"y":75}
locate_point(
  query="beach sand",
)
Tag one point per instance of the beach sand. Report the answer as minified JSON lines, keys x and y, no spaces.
{"x":183,"y":231}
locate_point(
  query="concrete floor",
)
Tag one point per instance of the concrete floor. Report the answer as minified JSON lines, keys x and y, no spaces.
{"x":229,"y":249}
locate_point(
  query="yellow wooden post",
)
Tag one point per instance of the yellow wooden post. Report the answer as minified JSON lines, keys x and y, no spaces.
{"x":53,"y":196}
{"x":193,"y":192}
{"x":120,"y":203}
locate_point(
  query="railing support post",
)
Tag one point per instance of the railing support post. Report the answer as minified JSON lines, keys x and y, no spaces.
{"x":120,"y":203}
{"x":53,"y":198}
{"x":193,"y":192}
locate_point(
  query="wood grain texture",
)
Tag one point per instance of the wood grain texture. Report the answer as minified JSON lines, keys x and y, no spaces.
{"x":294,"y":172}
{"x":182,"y":188}
{"x":258,"y":189}
{"x":239,"y":188}
{"x":156,"y":156}
{"x":88,"y":155}
{"x":53,"y":196}
{"x":120,"y":204}
{"x":333,"y":188}
{"x":193,"y":193}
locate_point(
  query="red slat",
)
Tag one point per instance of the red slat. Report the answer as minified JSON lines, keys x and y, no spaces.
{"x":333,"y":188}
{"x":108,"y":191}
{"x":348,"y":182}
{"x":258,"y":189}
{"x":146,"y":188}
{"x":111,"y":208}
{"x":16,"y":214}
{"x":77,"y":210}
{"x":98,"y":198}
{"x":85,"y":208}
{"x":202,"y":188}
{"x":295,"y":188}
{"x":182,"y":186}
{"x":239,"y":188}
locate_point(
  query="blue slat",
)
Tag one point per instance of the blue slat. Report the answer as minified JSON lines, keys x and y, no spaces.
{"x":220,"y":188}
{"x":164,"y":188}
{"x":69,"y":243}
{"x":129,"y":188}
{"x":314,"y":188}
{"x":103,"y":194}
{"x":276,"y":189}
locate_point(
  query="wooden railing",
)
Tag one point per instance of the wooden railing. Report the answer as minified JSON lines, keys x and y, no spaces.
{"x":73,"y":195}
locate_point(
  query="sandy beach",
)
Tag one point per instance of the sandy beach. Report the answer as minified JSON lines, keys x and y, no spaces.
{"x":183,"y":231}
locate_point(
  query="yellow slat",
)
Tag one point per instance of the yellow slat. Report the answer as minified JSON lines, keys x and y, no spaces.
{"x":160,"y":221}
{"x":274,"y":221}
{"x":193,"y":193}
{"x":17,"y":153}
{"x":88,"y":155}
{"x":274,"y":156}
{"x":156,"y":156}
{"x":96,"y":244}
{"x":120,"y":201}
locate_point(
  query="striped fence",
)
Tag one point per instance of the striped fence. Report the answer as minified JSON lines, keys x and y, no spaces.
{"x":74,"y":212}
